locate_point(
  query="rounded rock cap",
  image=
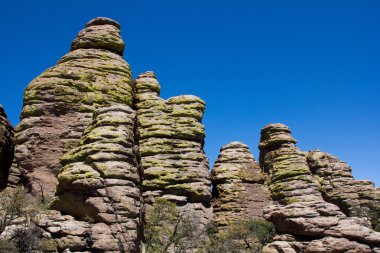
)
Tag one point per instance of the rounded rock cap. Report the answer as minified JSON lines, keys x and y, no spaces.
{"x":275,"y":135}
{"x":102,"y":21}
{"x":234,"y":145}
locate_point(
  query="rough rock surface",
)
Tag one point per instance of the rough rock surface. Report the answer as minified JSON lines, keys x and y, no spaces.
{"x":100,"y":176}
{"x":6,"y":147}
{"x":171,"y":138}
{"x":238,"y":190}
{"x":301,"y":211}
{"x":58,"y":105}
{"x":354,"y":197}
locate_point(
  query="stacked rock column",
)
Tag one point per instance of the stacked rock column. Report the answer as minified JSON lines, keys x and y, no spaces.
{"x":171,"y":137}
{"x":58,"y":105}
{"x":301,"y":214}
{"x":238,"y":190}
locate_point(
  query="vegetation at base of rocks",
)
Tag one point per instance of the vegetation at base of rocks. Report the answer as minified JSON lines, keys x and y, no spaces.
{"x":18,"y":215}
{"x":241,"y":236}
{"x":374,"y":215}
{"x":167,"y":229}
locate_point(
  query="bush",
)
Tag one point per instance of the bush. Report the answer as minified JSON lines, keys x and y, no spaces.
{"x":242,"y":236}
{"x":22,"y":210}
{"x":169,"y":230}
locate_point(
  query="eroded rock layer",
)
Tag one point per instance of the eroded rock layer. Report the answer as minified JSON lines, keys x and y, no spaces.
{"x":238,"y":190}
{"x":354,"y":197}
{"x":316,"y":225}
{"x":171,"y":137}
{"x":58,"y":105}
{"x":100,"y":176}
{"x":6,"y":147}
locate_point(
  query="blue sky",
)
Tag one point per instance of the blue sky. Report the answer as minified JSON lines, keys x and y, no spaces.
{"x":313,"y":65}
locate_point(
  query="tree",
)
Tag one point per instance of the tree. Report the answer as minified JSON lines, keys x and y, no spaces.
{"x":242,"y":236}
{"x":19,"y":212}
{"x":167,"y":229}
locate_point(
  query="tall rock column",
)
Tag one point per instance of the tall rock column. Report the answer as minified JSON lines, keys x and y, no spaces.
{"x":304,"y":220}
{"x":238,"y":190}
{"x":100,"y":183}
{"x":6,"y":147}
{"x":171,"y":137}
{"x":58,"y":105}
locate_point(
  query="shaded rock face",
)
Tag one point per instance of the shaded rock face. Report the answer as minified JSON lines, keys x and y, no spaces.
{"x":58,"y":105}
{"x":354,"y":197}
{"x":6,"y":147}
{"x":171,"y":137}
{"x":238,"y":190}
{"x":305,"y":222}
{"x":100,"y":176}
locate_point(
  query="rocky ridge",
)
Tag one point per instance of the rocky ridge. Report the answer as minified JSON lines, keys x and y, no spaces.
{"x":302,"y":215}
{"x":101,"y":147}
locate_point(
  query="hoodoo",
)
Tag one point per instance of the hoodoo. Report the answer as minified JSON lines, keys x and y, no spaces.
{"x":99,"y":149}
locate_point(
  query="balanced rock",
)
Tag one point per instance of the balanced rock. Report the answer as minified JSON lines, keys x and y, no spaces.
{"x":6,"y":147}
{"x":100,"y":176}
{"x":58,"y":105}
{"x":301,"y":210}
{"x":358,"y":198}
{"x":171,"y":137}
{"x":238,"y":190}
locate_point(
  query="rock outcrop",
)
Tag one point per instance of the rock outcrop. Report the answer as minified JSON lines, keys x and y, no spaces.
{"x":238,"y":190}
{"x":101,"y":177}
{"x":302,"y":213}
{"x":171,"y":138}
{"x":100,"y":148}
{"x":6,"y":147}
{"x":358,"y":198}
{"x":58,"y":105}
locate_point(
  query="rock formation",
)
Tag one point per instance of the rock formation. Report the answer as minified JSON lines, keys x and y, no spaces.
{"x":100,"y":176}
{"x":58,"y":105}
{"x":238,"y":190}
{"x":6,"y":147}
{"x":171,"y":138}
{"x":306,"y":222}
{"x":354,"y":197}
{"x":100,"y":147}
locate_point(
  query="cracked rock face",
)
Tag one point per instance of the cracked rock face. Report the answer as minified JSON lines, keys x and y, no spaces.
{"x":171,"y":137}
{"x":6,"y":147}
{"x":238,"y":190}
{"x":100,"y":176}
{"x":58,"y":105}
{"x":358,"y":198}
{"x":302,"y":213}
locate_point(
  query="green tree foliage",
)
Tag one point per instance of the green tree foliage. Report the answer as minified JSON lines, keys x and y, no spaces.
{"x":242,"y":236}
{"x":18,"y":213}
{"x":168,"y":230}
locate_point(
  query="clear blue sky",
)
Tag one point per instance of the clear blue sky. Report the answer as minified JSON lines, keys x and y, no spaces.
{"x":313,"y":65}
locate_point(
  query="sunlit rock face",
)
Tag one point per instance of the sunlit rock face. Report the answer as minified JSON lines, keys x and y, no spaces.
{"x":238,"y":190}
{"x":101,"y":177}
{"x":6,"y":147}
{"x":58,"y":104}
{"x":171,"y":137}
{"x":354,"y":197}
{"x":99,"y":148}
{"x":304,"y":220}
